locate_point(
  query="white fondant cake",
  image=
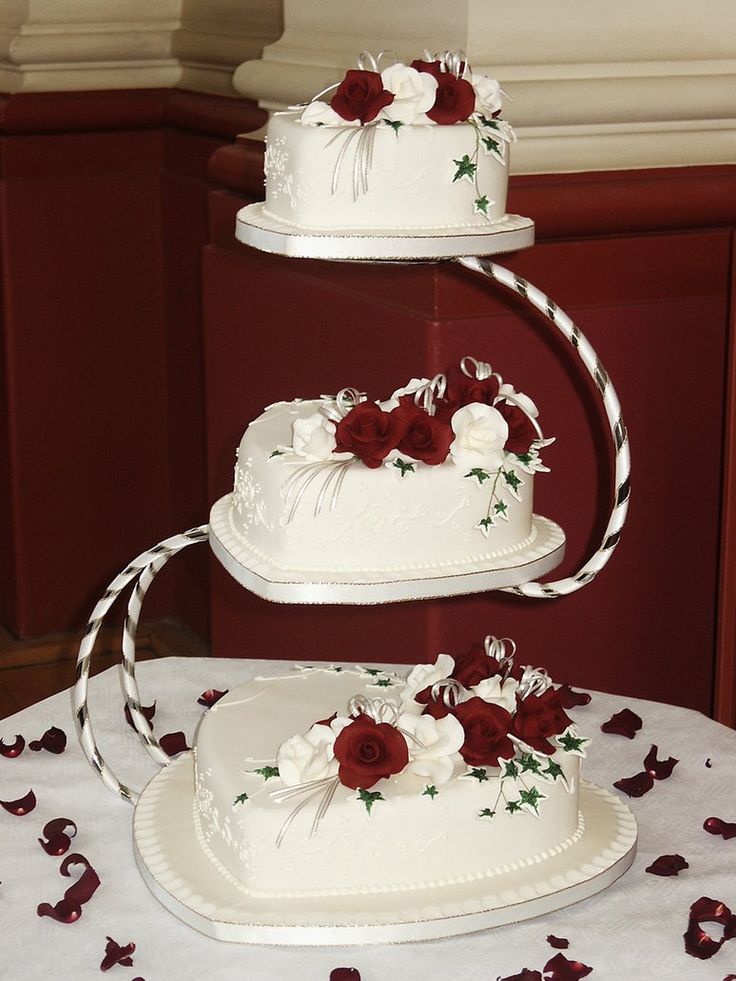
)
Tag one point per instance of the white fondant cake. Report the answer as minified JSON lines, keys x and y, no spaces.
{"x":410,"y":147}
{"x":439,"y":477}
{"x":489,"y":786}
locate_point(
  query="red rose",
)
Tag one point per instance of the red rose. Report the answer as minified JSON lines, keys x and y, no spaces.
{"x":486,"y":732}
{"x":368,"y":751}
{"x":475,"y":666}
{"x":521,"y":431}
{"x":369,"y":433}
{"x":454,"y":102}
{"x":433,"y":68}
{"x":538,"y":717}
{"x":462,"y":390}
{"x":360,"y":95}
{"x":424,"y":437}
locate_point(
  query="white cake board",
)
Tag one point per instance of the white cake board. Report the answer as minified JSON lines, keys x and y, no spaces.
{"x":267,"y":581}
{"x":255,"y":227}
{"x":182,"y":878}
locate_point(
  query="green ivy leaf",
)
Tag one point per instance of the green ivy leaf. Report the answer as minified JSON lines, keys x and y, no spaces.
{"x":404,"y":467}
{"x":512,"y":479}
{"x":240,"y":799}
{"x":531,"y":798}
{"x":479,"y":773}
{"x":486,"y":813}
{"x":267,"y":772}
{"x":525,"y":458}
{"x":430,"y":791}
{"x":275,"y":453}
{"x":384,"y":683}
{"x":369,"y":798}
{"x":512,"y":806}
{"x":490,"y":123}
{"x":501,"y":507}
{"x":465,"y":168}
{"x":373,"y":672}
{"x":336,"y":670}
{"x":529,"y":763}
{"x":480,"y":473}
{"x":395,"y":125}
{"x":481,"y":205}
{"x":553,"y":770}
{"x":493,"y":146}
{"x":510,"y":769}
{"x":572,"y":743}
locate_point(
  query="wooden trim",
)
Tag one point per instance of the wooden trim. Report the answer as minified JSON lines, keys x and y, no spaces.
{"x":724,"y":708}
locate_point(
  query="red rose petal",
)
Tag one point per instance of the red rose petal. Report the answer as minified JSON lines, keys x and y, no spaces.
{"x":12,"y":749}
{"x":708,"y":763}
{"x":20,"y":807}
{"x":69,"y":909}
{"x":569,"y":698}
{"x":148,"y":712}
{"x":115,"y":954}
{"x":59,"y":841}
{"x":345,"y":974}
{"x":211,"y":697}
{"x":730,"y":977}
{"x":717,"y":826}
{"x":558,"y":942}
{"x":53,"y":741}
{"x":659,"y":769}
{"x":698,"y":943}
{"x":524,"y":975}
{"x":174,"y":743}
{"x":559,"y":968}
{"x":623,"y":723}
{"x":637,"y":785}
{"x":667,"y":865}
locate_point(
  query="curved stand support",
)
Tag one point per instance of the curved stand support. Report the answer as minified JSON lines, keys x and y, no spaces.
{"x":572,"y":333}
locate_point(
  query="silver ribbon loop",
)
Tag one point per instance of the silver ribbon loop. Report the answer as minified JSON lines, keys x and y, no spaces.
{"x":426,"y":395}
{"x":496,"y":648}
{"x":347,"y":398}
{"x":375,"y":708}
{"x":481,"y":369}
{"x":534,"y":681}
{"x":368,"y":62}
{"x":449,"y":690}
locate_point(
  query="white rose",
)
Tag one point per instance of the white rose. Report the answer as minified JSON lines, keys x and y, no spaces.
{"x":487,"y":94}
{"x":313,"y":437}
{"x":480,"y":436}
{"x":422,"y":676}
{"x":433,"y":746}
{"x":309,"y":757}
{"x":518,"y":398}
{"x":322,"y":112}
{"x":496,"y":692}
{"x":414,"y":93}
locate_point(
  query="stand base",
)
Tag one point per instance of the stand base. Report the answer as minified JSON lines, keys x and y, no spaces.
{"x":182,"y":879}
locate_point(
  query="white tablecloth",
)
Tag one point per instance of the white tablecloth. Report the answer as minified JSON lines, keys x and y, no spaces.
{"x":632,"y":931}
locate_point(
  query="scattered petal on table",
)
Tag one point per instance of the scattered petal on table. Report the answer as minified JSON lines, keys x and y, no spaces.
{"x":53,"y":741}
{"x":667,"y":865}
{"x":211,"y":696}
{"x":345,"y":974}
{"x":69,"y":909}
{"x":59,"y":841}
{"x":12,"y":749}
{"x":659,"y":769}
{"x":20,"y":807}
{"x":623,"y":723}
{"x":174,"y":743}
{"x":569,"y":698}
{"x":524,"y":975}
{"x":709,"y":765}
{"x":637,"y":785}
{"x":148,"y":712}
{"x":559,"y":943}
{"x":730,"y":977}
{"x":700,"y":944}
{"x":561,"y":969}
{"x":717,"y":826}
{"x":115,"y":954}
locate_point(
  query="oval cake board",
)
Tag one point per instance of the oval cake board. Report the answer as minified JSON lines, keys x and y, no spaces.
{"x":182,"y":878}
{"x":266,"y":580}
{"x":255,"y":227}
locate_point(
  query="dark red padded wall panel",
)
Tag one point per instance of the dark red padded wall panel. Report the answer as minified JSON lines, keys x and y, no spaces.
{"x":653,"y":306}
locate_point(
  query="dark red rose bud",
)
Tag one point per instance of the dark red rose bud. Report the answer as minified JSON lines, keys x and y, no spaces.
{"x":461,"y":391}
{"x":454,"y":101}
{"x":368,"y":751}
{"x":147,"y":711}
{"x":369,"y":433}
{"x":486,"y":728}
{"x":20,"y":807}
{"x":174,"y":743}
{"x":524,"y":975}
{"x":569,"y":698}
{"x":716,"y":826}
{"x":559,"y":943}
{"x":559,"y":968}
{"x":521,"y":430}
{"x":345,"y":974}
{"x":637,"y":785}
{"x":538,"y":718}
{"x":474,"y":666}
{"x":433,"y":68}
{"x":53,"y":741}
{"x":667,"y":865}
{"x":328,"y":721}
{"x":211,"y":697}
{"x":59,"y":840}
{"x":623,"y":723}
{"x":659,"y":769}
{"x":360,"y":95}
{"x":115,"y":954}
{"x":12,"y":749}
{"x":423,"y":437}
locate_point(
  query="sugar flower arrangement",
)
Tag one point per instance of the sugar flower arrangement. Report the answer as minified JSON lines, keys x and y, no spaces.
{"x":459,"y":717}
{"x":466,"y":417}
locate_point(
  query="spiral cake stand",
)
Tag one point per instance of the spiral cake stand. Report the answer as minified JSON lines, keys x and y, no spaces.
{"x":167,"y":850}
